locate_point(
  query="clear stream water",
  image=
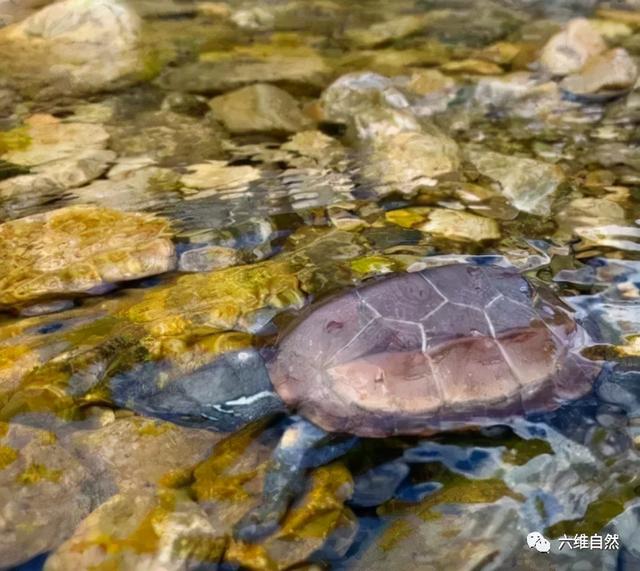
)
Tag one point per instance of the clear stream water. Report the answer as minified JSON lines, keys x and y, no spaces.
{"x":383,"y":133}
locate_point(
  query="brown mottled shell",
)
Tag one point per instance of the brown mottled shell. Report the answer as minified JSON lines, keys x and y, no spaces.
{"x":448,"y":347}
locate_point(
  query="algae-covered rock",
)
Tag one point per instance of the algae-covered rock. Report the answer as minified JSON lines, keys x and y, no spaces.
{"x":44,"y":493}
{"x":259,"y":108}
{"x":310,"y":523}
{"x":154,"y":450}
{"x":569,"y":50}
{"x":527,"y":183}
{"x":45,"y":139}
{"x":79,"y":250}
{"x":74,"y":45}
{"x":137,"y":531}
{"x":218,"y":72}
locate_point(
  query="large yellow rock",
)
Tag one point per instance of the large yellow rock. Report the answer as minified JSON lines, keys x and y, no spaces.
{"x":79,"y":250}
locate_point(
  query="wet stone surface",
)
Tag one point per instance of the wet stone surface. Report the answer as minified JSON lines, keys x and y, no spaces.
{"x":182,"y":181}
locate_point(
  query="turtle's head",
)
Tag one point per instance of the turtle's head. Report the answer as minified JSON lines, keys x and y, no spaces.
{"x":224,"y":395}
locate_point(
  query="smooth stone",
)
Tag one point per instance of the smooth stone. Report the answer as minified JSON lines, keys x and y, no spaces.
{"x":460,"y":226}
{"x":528,"y":184}
{"x":208,"y":258}
{"x":371,"y":104}
{"x":569,"y":50}
{"x":521,"y":94}
{"x":218,"y":176}
{"x":132,"y":185}
{"x":44,"y":139}
{"x":169,"y":138}
{"x":217,"y":74}
{"x":317,"y":146}
{"x":613,"y":70}
{"x":74,"y":46}
{"x":407,"y":161}
{"x":259,"y":108}
{"x":390,"y":30}
{"x":46,"y":308}
{"x":610,"y":29}
{"x":12,"y":11}
{"x":44,"y":493}
{"x":472,"y":67}
{"x":77,"y":250}
{"x":587,"y":212}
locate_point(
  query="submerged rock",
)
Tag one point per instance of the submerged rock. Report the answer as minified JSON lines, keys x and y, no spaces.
{"x":455,"y":225}
{"x":208,"y":258}
{"x":169,"y":138}
{"x":528,"y":184}
{"x":12,"y":11}
{"x":612,"y":71}
{"x":218,"y":72}
{"x":386,"y":31}
{"x":370,"y":104}
{"x":79,"y":250}
{"x":521,"y":94}
{"x":154,"y":450}
{"x":587,"y":212}
{"x":217,"y":176}
{"x":44,"y":139}
{"x":44,"y":493}
{"x":259,"y":108}
{"x":132,"y":185}
{"x":407,"y":161}
{"x":74,"y":45}
{"x":142,"y":531}
{"x":569,"y":50}
{"x":460,"y":226}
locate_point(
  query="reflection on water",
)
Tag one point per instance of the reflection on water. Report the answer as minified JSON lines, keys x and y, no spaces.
{"x":179,"y":180}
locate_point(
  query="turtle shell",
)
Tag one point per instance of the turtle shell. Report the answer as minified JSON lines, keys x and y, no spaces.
{"x":444,"y":348}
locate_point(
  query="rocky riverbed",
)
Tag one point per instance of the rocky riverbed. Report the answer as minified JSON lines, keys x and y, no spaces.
{"x":180,"y":179}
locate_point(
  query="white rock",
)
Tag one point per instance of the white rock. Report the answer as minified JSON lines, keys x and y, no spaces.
{"x":569,"y":50}
{"x":218,"y":175}
{"x":74,"y":45}
{"x":406,"y":161}
{"x":614,"y":70}
{"x":527,"y":183}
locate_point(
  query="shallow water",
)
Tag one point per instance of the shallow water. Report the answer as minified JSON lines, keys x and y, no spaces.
{"x":382,"y":134}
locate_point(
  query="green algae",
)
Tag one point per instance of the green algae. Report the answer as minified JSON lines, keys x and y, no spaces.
{"x":17,"y":139}
{"x":600,"y":512}
{"x":8,"y":456}
{"x":35,"y":473}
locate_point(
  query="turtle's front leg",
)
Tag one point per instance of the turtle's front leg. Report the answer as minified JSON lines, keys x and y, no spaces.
{"x":297,"y":450}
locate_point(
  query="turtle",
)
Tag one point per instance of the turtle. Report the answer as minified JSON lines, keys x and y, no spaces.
{"x":452,"y":346}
